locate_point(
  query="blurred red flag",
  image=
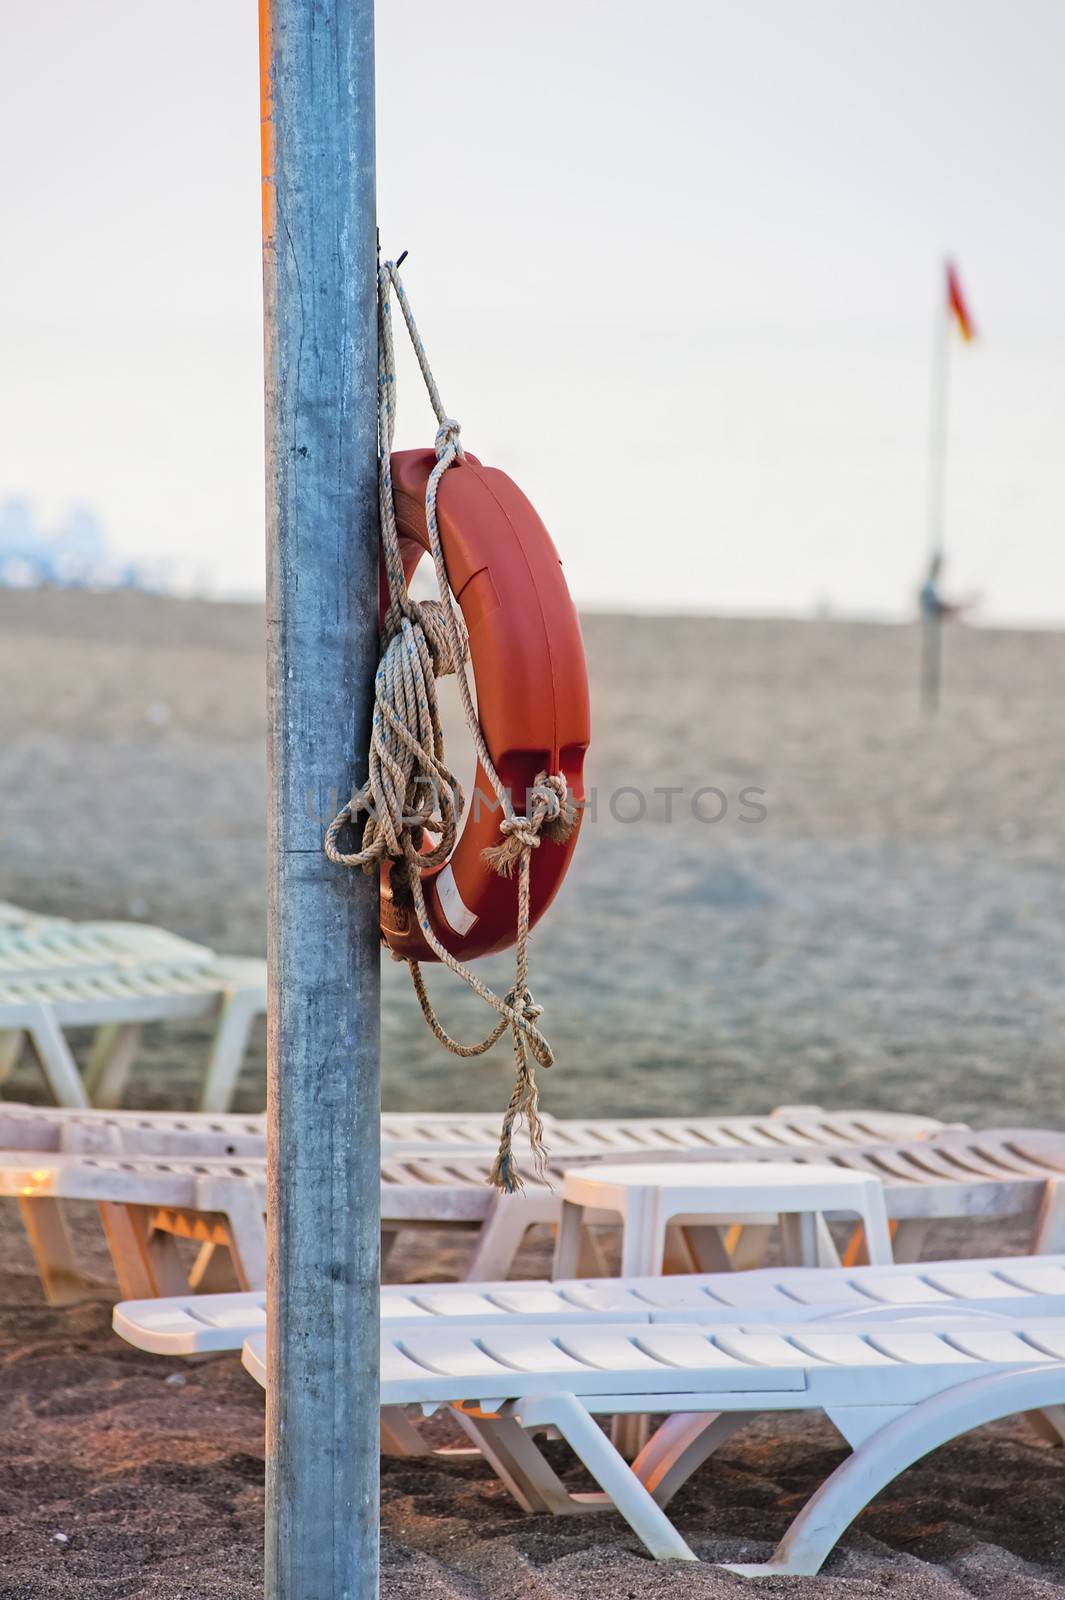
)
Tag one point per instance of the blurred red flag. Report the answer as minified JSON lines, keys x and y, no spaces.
{"x":956,"y":304}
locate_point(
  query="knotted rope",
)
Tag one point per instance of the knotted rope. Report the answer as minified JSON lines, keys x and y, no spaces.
{"x":410,"y":790}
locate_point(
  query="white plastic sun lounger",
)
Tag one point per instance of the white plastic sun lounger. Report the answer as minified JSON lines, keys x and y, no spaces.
{"x":191,"y":1324}
{"x":221,"y":1200}
{"x":145,"y":1200}
{"x":441,"y":1192}
{"x":115,"y":977}
{"x":1026,"y":1288}
{"x":895,"y":1390}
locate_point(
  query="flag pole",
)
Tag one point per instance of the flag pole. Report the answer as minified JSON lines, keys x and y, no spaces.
{"x":323,"y":930}
{"x":931,"y":621}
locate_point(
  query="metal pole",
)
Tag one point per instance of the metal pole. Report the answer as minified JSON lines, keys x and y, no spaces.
{"x":323,"y":1094}
{"x":932,"y":626}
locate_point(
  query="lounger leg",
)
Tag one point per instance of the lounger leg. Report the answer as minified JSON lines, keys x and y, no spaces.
{"x":238,"y":1012}
{"x":1049,"y":1424}
{"x":141,"y":1271}
{"x":707,"y":1249}
{"x":46,"y":1230}
{"x":827,"y":1254}
{"x":642,"y":1249}
{"x":399,"y":1436}
{"x":214,"y":1271}
{"x":643,"y":1235}
{"x":568,"y":1241}
{"x":388,"y":1244}
{"x":877,"y":1232}
{"x":57,"y":1063}
{"x":680,"y":1446}
{"x":11,"y":1042}
{"x":247,"y":1234}
{"x":591,"y":1262}
{"x":909,"y":1239}
{"x":747,"y":1244}
{"x":515,"y":1458}
{"x":580,"y":1431}
{"x":113,"y":1054}
{"x":1049,"y":1232}
{"x":798,"y":1238}
{"x":891,"y":1450}
{"x":498,"y":1240}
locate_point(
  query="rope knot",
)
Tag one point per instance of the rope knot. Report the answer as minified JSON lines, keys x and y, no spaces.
{"x":524,"y":830}
{"x":523,"y":1003}
{"x":447,"y":438}
{"x":550,"y":813}
{"x":548,"y":794}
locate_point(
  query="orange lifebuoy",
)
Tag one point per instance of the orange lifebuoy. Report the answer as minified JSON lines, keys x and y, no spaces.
{"x":532,"y":696}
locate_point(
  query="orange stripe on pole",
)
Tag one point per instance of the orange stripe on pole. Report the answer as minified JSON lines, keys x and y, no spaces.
{"x":266,"y":111}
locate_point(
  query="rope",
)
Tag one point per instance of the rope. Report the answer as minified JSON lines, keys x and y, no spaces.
{"x":410,"y":790}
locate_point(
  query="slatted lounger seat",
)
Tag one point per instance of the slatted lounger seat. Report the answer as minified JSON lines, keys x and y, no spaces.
{"x":192,"y":1324}
{"x":1023,"y":1179}
{"x":895,"y":1391}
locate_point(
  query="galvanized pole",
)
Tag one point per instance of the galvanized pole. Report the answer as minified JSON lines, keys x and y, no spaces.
{"x":319,"y":256}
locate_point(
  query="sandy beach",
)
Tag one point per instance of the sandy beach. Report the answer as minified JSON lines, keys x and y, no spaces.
{"x":887,"y":934}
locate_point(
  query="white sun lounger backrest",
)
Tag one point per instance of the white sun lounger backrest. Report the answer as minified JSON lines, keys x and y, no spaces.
{"x":805,"y":1127}
{"x":478,"y":1130}
{"x":950,"y":1156}
{"x":56,"y":949}
{"x":157,"y":1133}
{"x":13,"y":916}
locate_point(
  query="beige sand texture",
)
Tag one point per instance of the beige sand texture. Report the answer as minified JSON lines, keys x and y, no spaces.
{"x":889,"y":935}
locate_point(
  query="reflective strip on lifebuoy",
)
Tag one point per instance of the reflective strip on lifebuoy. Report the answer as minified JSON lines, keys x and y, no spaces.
{"x":531,"y":687}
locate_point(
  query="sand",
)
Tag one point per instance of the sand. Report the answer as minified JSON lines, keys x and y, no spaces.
{"x":888,"y":935}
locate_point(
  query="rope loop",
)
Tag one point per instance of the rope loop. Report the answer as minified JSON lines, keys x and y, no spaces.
{"x":409,"y":792}
{"x":447,"y":438}
{"x":430,"y":618}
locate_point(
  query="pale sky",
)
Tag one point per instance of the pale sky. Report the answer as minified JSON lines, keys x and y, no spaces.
{"x":676,"y":266}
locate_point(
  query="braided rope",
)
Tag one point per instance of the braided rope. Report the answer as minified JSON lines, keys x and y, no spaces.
{"x":410,"y":790}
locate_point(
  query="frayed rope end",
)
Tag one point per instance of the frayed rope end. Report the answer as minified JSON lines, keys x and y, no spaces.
{"x":523,"y":1107}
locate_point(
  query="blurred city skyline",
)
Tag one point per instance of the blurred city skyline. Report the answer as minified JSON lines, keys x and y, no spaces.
{"x":677,"y":272}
